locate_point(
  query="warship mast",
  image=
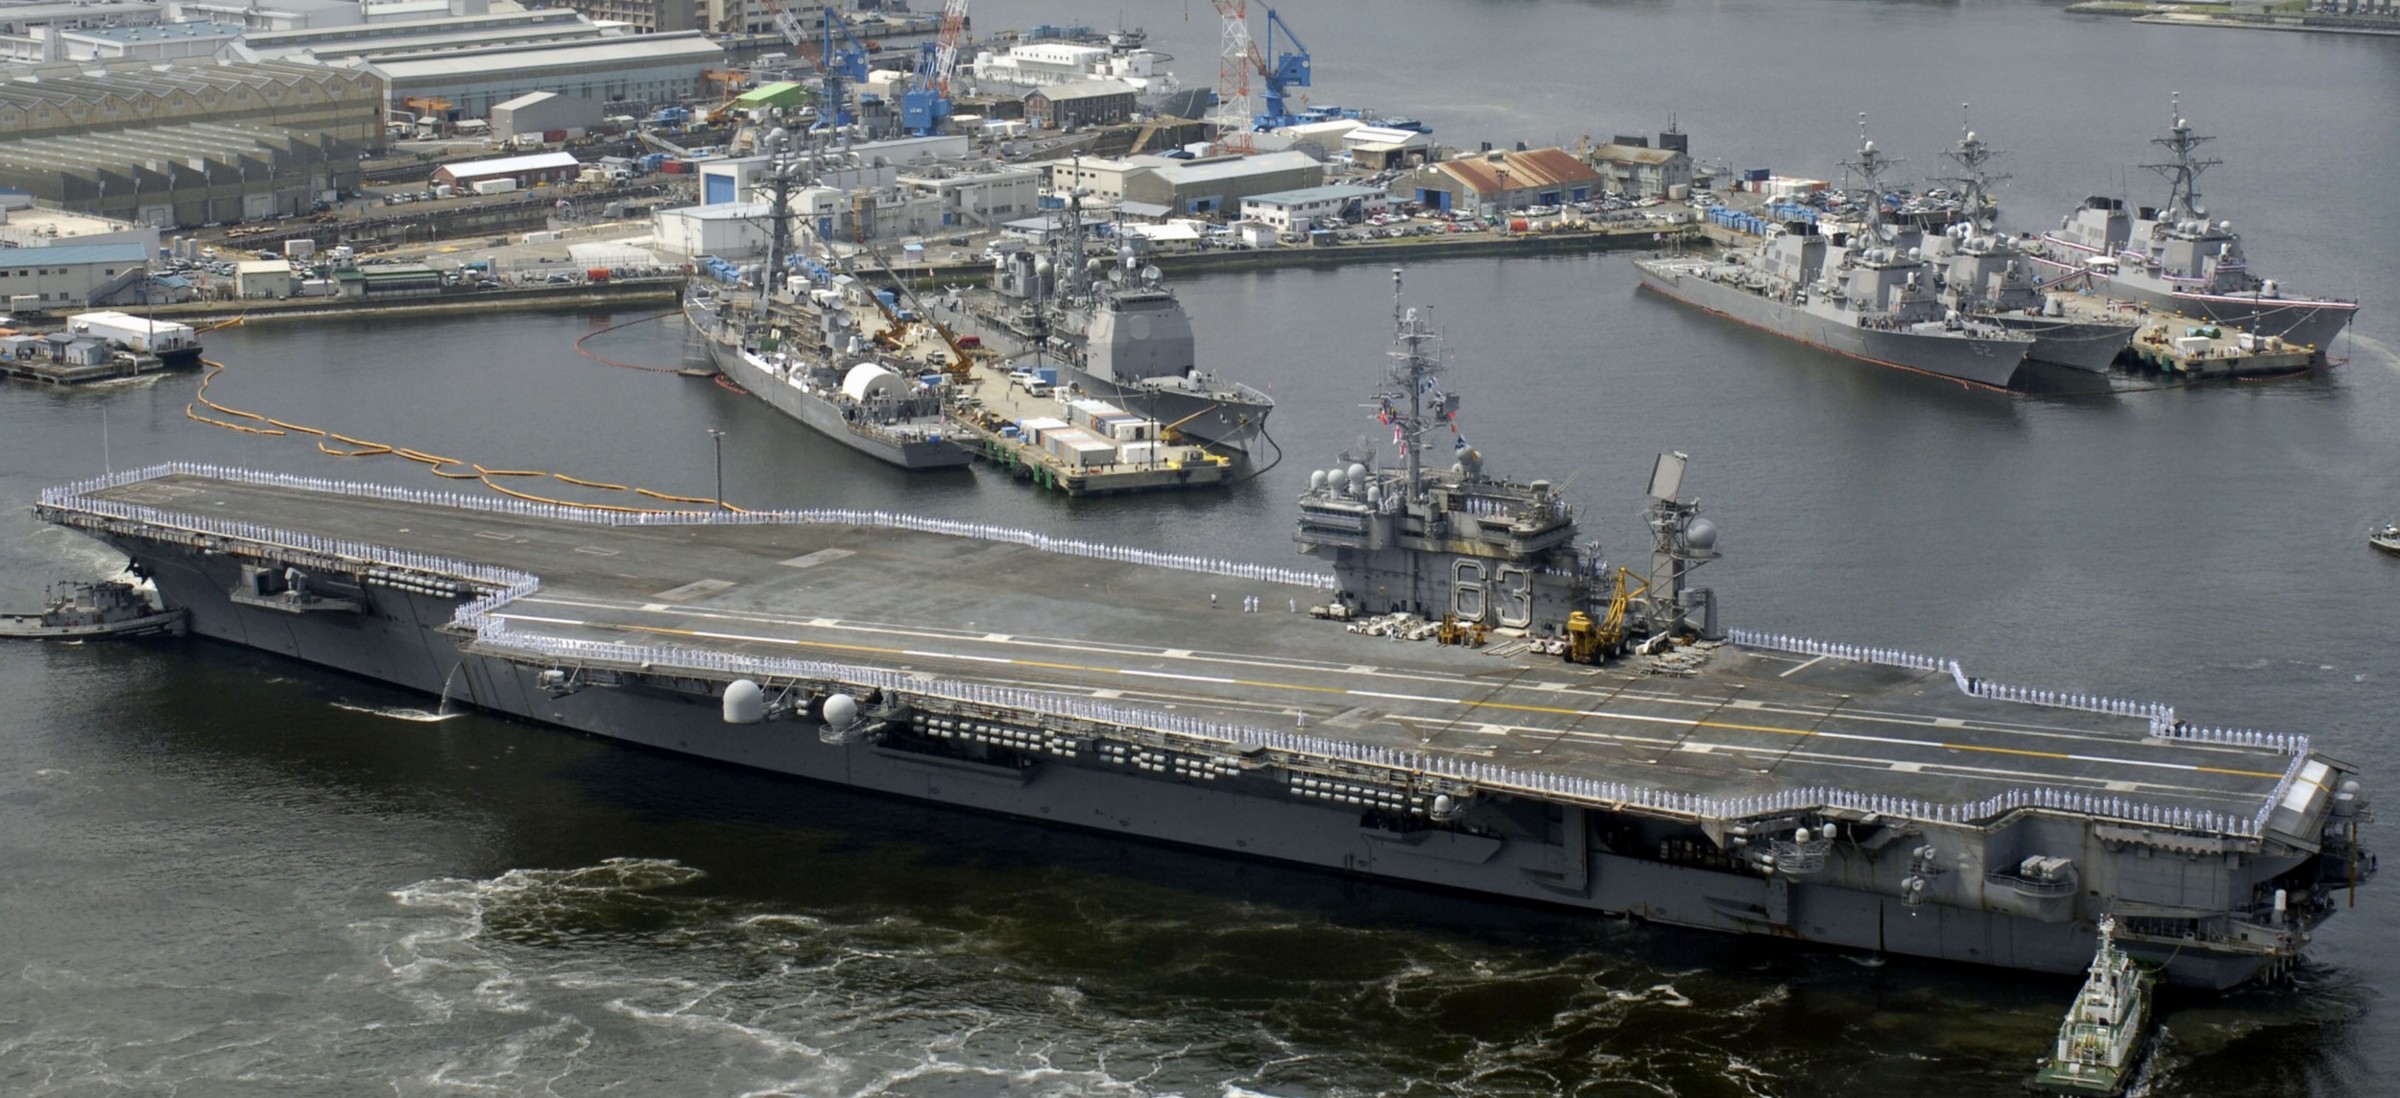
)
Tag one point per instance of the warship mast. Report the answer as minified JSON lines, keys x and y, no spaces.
{"x":2183,"y":172}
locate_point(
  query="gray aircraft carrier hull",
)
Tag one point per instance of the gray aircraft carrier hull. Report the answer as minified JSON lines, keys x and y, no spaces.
{"x":1976,"y":362}
{"x":1586,"y":853}
{"x":404,"y":643}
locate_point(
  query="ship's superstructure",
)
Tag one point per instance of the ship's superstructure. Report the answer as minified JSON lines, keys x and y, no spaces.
{"x":2175,"y":259}
{"x":1117,"y":333}
{"x":1584,"y":736}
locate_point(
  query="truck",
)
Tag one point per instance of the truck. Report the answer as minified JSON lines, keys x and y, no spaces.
{"x":493,"y":186}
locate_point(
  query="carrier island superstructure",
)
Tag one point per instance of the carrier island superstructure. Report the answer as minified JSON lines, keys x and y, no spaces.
{"x":1594,"y":740}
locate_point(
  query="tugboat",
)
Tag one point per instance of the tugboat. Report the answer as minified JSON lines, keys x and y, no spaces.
{"x":83,"y":610}
{"x":2103,"y":1038}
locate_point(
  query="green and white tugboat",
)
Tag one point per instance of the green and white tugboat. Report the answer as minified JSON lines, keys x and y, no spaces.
{"x":2106,"y":1030}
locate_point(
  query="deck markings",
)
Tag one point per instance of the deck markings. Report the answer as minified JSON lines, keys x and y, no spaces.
{"x":1799,"y":667}
{"x":1473,"y":705}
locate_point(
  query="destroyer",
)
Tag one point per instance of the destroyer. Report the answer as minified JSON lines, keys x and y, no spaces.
{"x":2181,"y":262}
{"x":1119,"y":334}
{"x":830,"y":355}
{"x":1990,"y":276}
{"x":1608,"y":748}
{"x":1863,"y":292}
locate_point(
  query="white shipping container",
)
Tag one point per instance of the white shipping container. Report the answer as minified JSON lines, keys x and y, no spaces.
{"x":299,"y":247}
{"x":1089,"y":451}
{"x":2191,"y":345}
{"x":1138,"y":453}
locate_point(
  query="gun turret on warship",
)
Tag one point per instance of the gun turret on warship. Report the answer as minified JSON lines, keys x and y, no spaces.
{"x":1589,"y":737}
{"x":2177,"y":260}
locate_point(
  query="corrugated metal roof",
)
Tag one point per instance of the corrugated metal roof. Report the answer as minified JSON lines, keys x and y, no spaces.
{"x":1634,"y":154}
{"x":688,"y":47}
{"x":526,"y":100}
{"x":1331,"y":192}
{"x":75,"y":253}
{"x":1526,"y":170}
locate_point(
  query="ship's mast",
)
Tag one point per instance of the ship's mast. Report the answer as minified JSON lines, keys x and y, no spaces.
{"x":779,"y":218}
{"x":1970,"y":154}
{"x":1870,"y":166}
{"x":1414,"y":374}
{"x":2182,"y":172}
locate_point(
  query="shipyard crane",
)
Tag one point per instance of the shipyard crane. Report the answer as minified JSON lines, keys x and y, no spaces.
{"x":946,"y":45}
{"x":839,"y":63}
{"x":1291,"y":71}
{"x":1238,"y":58}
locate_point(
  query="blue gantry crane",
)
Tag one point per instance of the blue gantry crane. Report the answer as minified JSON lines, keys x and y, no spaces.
{"x":840,"y":62}
{"x":1289,"y":71}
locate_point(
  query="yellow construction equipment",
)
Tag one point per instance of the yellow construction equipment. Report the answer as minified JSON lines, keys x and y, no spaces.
{"x":1592,"y":642}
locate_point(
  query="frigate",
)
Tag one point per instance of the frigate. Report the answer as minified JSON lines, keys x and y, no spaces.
{"x":2177,"y":260}
{"x":827,"y":351}
{"x":1460,"y":691}
{"x":1862,"y":290}
{"x":1117,"y":332}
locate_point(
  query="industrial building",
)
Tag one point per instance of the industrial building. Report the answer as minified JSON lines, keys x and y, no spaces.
{"x":1315,"y":207}
{"x":1219,"y":184}
{"x":734,"y":230}
{"x":68,"y":276}
{"x":1082,"y":103}
{"x":37,"y":32}
{"x":1502,"y":180}
{"x":462,"y":65}
{"x":531,"y":170}
{"x":186,"y":142}
{"x":536,"y":113}
{"x":646,"y":16}
{"x":1632,"y":167}
{"x":1383,"y":147}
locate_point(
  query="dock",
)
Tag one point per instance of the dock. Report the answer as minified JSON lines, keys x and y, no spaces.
{"x":2204,"y":348}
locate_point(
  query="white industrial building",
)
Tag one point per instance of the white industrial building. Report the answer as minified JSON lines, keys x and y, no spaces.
{"x":536,"y":113}
{"x":1315,"y":207}
{"x":732,"y":230}
{"x":68,"y":276}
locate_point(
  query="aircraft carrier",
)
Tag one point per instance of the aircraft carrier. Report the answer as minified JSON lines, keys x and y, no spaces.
{"x":1571,"y":733}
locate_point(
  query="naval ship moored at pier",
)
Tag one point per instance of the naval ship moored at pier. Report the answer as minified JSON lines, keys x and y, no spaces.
{"x":1593,"y":738}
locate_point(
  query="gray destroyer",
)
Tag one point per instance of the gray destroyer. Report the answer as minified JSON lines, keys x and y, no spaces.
{"x":1991,"y":277}
{"x":1862,"y":291}
{"x":1118,"y":333}
{"x":832,"y":356}
{"x":1591,"y":737}
{"x":2178,"y":261}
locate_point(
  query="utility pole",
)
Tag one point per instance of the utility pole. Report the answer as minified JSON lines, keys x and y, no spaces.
{"x":717,"y":438}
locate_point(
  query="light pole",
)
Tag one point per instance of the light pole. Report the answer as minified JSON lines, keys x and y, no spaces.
{"x":717,"y":439}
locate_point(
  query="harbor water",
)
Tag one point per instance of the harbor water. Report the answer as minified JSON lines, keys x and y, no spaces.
{"x":223,"y":873}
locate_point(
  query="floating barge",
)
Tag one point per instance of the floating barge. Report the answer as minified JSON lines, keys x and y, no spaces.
{"x":1079,"y":447}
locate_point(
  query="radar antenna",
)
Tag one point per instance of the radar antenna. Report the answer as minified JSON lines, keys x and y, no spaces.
{"x":2183,"y":172}
{"x":1870,"y":165}
{"x":1414,"y":375}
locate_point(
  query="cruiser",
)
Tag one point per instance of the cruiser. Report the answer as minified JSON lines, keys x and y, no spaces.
{"x":1119,"y":334}
{"x":2178,"y":261}
{"x":831,"y":355}
{"x":1567,"y":732}
{"x":1863,"y":291}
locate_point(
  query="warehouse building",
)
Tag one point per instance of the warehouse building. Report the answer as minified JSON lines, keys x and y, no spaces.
{"x":1315,"y":207}
{"x":1083,"y":103}
{"x":531,"y":170}
{"x":1217,"y":185}
{"x":186,"y":142}
{"x":68,"y":276}
{"x":1382,"y":147}
{"x":535,"y":113}
{"x":463,"y":65}
{"x":1490,"y":182}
